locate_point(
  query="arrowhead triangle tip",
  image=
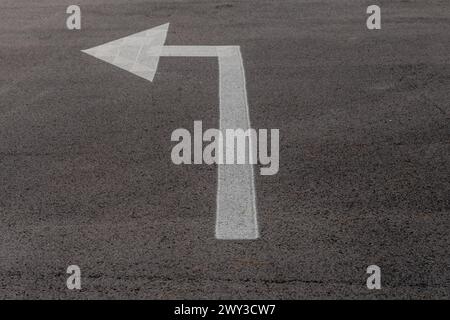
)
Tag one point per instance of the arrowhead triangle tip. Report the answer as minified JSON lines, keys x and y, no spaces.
{"x":133,"y":53}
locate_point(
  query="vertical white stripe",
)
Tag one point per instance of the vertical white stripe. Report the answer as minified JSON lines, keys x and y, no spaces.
{"x":236,"y":216}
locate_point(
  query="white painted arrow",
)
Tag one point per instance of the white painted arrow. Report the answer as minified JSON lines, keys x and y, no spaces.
{"x":139,"y":54}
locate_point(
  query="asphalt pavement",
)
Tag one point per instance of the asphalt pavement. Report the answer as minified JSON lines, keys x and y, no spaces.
{"x":86,"y":176}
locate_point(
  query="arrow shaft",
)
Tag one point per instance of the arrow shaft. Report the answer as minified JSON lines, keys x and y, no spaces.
{"x":236,"y":216}
{"x":192,"y":51}
{"x":187,"y":51}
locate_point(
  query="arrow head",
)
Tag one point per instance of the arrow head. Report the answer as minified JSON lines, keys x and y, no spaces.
{"x":134,"y":53}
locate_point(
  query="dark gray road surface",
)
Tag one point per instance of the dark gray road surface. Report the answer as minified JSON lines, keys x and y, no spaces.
{"x":86,"y":175}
